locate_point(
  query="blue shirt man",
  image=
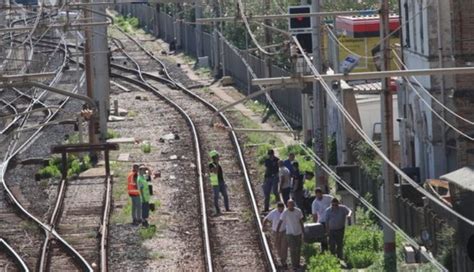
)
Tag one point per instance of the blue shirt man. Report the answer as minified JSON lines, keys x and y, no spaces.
{"x":289,"y":163}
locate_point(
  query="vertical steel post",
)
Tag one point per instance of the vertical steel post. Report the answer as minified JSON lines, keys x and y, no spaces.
{"x":387,"y":141}
{"x":319,"y":113}
{"x":198,"y":15}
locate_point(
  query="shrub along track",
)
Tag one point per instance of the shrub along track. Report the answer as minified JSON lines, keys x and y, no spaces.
{"x":236,"y":238}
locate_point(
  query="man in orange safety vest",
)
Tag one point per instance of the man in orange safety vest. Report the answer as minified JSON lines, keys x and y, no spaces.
{"x":134,"y":193}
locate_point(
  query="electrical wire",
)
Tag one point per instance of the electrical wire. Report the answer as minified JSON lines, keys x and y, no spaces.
{"x":334,"y":38}
{"x":334,"y":175}
{"x":366,"y":138}
{"x":428,"y":92}
{"x":432,"y":110}
{"x":249,"y":30}
{"x":410,"y":19}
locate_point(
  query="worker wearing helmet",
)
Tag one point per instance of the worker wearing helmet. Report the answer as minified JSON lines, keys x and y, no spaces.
{"x":217,"y":181}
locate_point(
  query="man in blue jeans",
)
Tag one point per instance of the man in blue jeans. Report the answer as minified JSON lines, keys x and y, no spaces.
{"x":217,"y":181}
{"x":270,"y":183}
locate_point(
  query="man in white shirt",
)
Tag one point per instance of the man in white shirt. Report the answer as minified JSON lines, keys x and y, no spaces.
{"x":292,"y":219}
{"x":284,"y":184}
{"x":318,"y":209}
{"x":280,"y":244}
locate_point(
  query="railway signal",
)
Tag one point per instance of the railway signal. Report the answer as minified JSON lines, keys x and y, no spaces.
{"x":299,"y":23}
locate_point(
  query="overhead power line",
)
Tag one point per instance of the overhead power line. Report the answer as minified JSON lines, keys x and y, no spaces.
{"x":429,"y":94}
{"x":367,"y":139}
{"x":249,"y":30}
{"x":334,"y":175}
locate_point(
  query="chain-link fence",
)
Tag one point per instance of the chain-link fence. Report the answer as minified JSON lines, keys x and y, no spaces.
{"x":230,"y":59}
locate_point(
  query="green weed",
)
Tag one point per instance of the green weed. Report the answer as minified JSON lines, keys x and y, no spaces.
{"x":362,"y":245}
{"x":112,"y":134}
{"x":325,"y":262}
{"x":147,"y":233}
{"x":132,"y":113}
{"x":146,"y":147}
{"x":127,"y":24}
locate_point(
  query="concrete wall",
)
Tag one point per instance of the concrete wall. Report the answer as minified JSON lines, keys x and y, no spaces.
{"x":449,"y":25}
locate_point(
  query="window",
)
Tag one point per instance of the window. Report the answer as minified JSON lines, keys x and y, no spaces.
{"x":407,"y":24}
{"x":422,"y":37}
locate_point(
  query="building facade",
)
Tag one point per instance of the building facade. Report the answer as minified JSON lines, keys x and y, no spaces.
{"x":438,"y":33}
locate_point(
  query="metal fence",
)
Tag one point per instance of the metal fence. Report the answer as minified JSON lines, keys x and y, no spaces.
{"x":165,"y":27}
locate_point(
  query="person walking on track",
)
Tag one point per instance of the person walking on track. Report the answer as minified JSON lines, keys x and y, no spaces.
{"x":292,"y":218}
{"x":335,"y":218}
{"x":270,"y":183}
{"x":320,"y":204}
{"x":280,"y":243}
{"x":134,"y":193}
{"x":144,"y":194}
{"x":217,"y":181}
{"x":284,"y":184}
{"x":298,"y":186}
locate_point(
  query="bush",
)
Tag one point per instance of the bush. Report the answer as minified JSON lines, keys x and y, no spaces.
{"x":361,"y":246}
{"x":325,"y":262}
{"x":75,"y":166}
{"x":49,"y":171}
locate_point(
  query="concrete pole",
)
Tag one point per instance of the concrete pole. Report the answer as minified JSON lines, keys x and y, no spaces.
{"x":387,"y":142}
{"x":198,"y":15}
{"x":319,"y":99}
{"x":97,"y":73}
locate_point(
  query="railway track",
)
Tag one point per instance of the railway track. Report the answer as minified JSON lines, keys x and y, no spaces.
{"x":27,"y":243}
{"x":237,"y":241}
{"x":78,"y":218}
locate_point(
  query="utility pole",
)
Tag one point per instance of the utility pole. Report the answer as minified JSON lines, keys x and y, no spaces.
{"x":216,"y":43}
{"x":97,"y":72}
{"x":268,"y":40}
{"x":319,"y":99}
{"x":387,"y":141}
{"x":198,"y":15}
{"x":306,"y":119}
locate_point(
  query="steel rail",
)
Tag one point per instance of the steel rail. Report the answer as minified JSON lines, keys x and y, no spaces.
{"x":47,"y":228}
{"x":43,"y":264}
{"x":15,"y":118}
{"x":197,"y":146}
{"x":104,"y":229}
{"x":5,"y":247}
{"x":235,"y":141}
{"x":12,"y":152}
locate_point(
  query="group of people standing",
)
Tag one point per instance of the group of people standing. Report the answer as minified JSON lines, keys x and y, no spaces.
{"x":284,"y":178}
{"x":139,"y":189}
{"x":288,"y":227}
